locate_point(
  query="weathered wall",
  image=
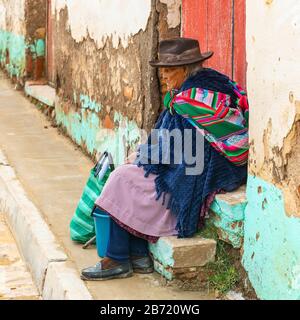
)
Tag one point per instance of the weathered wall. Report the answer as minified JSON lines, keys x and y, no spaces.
{"x":35,"y":21}
{"x":168,"y":24}
{"x":272,"y":226}
{"x":100,"y":70}
{"x":19,"y":21}
{"x":103,"y":77}
{"x":12,"y":36}
{"x":35,"y":17}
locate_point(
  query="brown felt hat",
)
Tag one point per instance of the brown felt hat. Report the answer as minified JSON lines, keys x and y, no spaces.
{"x":179,"y":52}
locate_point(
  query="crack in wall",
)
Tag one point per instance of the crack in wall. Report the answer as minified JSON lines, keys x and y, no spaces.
{"x":281,"y":165}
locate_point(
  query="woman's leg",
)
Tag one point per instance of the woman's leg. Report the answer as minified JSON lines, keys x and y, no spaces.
{"x":138,"y":247}
{"x":124,"y":247}
{"x":119,"y":243}
{"x":139,"y":254}
{"x":117,"y":263}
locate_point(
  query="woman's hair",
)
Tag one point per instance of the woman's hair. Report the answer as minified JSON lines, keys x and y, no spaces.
{"x":192,"y":69}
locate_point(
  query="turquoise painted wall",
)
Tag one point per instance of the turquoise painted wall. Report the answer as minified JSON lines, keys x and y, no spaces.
{"x":229,"y":219}
{"x":85,"y":127}
{"x":38,"y":48}
{"x":271,"y":243}
{"x":16,"y":46}
{"x":163,"y":253}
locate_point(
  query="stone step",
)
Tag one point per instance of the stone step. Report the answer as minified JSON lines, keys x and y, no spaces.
{"x":185,"y":258}
{"x":42,"y":93}
{"x":228,"y":213}
{"x":174,"y":257}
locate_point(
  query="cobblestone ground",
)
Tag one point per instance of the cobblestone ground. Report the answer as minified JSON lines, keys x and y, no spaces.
{"x":15,"y":281}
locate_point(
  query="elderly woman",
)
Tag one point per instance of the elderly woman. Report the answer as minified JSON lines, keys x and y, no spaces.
{"x":149,"y":200}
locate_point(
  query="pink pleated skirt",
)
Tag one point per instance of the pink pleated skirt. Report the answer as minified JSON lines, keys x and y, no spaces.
{"x":130,"y":198}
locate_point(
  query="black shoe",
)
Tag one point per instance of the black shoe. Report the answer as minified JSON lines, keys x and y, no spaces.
{"x":142,"y":265}
{"x":97,"y":273}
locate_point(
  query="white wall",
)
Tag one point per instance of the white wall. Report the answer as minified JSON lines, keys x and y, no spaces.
{"x":12,"y":16}
{"x":174,"y":12}
{"x":273,"y":76}
{"x":102,"y":19}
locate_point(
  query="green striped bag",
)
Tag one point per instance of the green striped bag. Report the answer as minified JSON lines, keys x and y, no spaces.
{"x":82,"y":226}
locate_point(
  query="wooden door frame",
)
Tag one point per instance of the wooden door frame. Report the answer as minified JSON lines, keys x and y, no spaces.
{"x":195,"y":24}
{"x":49,"y":45}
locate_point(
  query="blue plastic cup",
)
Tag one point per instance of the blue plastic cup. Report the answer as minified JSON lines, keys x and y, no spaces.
{"x":102,"y":224}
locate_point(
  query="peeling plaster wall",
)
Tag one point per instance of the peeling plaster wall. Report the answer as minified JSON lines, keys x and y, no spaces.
{"x":19,"y":20}
{"x":169,"y":18}
{"x":274,"y":93}
{"x":168,"y":25}
{"x":100,"y":19}
{"x":273,"y":67}
{"x":103,"y":78}
{"x":272,"y":220}
{"x":12,"y":16}
{"x":102,"y":75}
{"x":36,"y":15}
{"x":36,"y":20}
{"x":174,"y":12}
{"x":12,"y":36}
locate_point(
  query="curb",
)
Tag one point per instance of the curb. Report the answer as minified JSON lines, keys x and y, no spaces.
{"x":45,"y":258}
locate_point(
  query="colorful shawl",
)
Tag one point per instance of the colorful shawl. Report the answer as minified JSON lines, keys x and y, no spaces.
{"x":223,"y":122}
{"x":188,"y":193}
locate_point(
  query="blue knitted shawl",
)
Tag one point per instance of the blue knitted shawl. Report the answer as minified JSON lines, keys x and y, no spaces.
{"x":188,"y":192}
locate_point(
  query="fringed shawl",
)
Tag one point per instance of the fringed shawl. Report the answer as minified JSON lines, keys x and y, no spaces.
{"x":189,"y":192}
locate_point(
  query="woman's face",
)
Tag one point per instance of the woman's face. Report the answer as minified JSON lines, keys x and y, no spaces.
{"x":171,"y":78}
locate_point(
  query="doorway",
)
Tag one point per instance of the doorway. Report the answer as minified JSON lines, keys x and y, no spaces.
{"x":220,"y":26}
{"x":50,"y":45}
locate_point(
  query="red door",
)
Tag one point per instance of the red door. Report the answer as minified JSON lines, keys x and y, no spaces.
{"x":220,"y":26}
{"x":50,"y":46}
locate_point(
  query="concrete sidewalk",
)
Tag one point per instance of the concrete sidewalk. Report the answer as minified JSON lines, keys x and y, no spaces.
{"x":53,"y":172}
{"x":15,"y":280}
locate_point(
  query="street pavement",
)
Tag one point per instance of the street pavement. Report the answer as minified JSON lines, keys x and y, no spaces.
{"x":15,"y":280}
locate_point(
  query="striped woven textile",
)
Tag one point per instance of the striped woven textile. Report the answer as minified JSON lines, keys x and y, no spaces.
{"x":82,"y":226}
{"x":223,"y":122}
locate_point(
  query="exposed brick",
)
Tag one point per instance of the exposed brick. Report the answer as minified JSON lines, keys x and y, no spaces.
{"x":108,"y":124}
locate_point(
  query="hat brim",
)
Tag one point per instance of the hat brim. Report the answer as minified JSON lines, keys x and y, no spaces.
{"x":204,"y":56}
